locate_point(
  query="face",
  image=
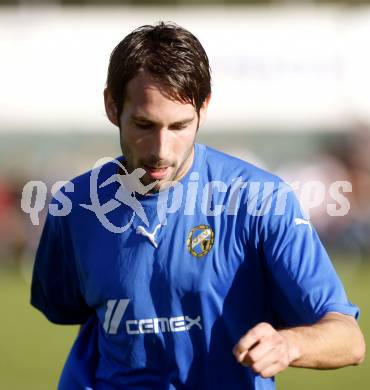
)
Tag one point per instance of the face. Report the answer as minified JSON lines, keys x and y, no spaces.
{"x":157,"y":133}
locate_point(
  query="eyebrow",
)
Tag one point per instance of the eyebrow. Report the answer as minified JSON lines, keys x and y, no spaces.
{"x":140,"y":118}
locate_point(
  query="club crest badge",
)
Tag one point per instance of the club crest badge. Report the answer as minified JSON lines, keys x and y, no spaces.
{"x":200,"y":240}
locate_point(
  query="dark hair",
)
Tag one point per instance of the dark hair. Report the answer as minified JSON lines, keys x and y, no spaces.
{"x":170,"y":54}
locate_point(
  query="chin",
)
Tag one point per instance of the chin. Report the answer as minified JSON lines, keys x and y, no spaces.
{"x":164,"y":184}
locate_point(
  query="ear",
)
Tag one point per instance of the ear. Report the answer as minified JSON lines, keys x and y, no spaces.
{"x":110,"y":107}
{"x":203,"y":110}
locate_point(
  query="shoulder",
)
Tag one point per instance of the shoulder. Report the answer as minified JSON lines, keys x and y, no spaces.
{"x":225,"y":166}
{"x":261,"y":193}
{"x":80,"y":188}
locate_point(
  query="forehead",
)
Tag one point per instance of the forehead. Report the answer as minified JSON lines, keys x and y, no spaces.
{"x":146,"y":96}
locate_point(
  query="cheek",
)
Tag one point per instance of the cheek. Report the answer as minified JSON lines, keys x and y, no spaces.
{"x":131,"y":141}
{"x":185,"y":143}
{"x":129,"y":148}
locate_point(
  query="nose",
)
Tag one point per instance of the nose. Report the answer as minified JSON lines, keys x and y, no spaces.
{"x":159,"y":144}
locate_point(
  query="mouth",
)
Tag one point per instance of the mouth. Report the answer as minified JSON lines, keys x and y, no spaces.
{"x":156,"y":173}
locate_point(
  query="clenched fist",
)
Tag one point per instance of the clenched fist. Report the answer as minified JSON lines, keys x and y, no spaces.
{"x":265,"y":350}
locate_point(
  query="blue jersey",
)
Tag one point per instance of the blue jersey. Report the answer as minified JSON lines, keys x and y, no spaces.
{"x":188,"y":271}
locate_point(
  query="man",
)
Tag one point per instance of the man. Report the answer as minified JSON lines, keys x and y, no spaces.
{"x":224,"y":284}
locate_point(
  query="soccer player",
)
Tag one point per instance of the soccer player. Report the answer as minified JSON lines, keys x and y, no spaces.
{"x":223,"y":285}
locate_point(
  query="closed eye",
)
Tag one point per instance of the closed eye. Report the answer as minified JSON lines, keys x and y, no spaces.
{"x":177,"y":127}
{"x":144,"y":126}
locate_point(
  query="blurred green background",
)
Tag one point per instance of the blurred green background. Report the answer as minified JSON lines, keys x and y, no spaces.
{"x":34,"y":350}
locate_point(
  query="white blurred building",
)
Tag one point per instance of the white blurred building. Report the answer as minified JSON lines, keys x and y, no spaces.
{"x":273,"y":68}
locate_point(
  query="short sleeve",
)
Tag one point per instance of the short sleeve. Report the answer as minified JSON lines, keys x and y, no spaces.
{"x":56,"y":288}
{"x":303,"y":282}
